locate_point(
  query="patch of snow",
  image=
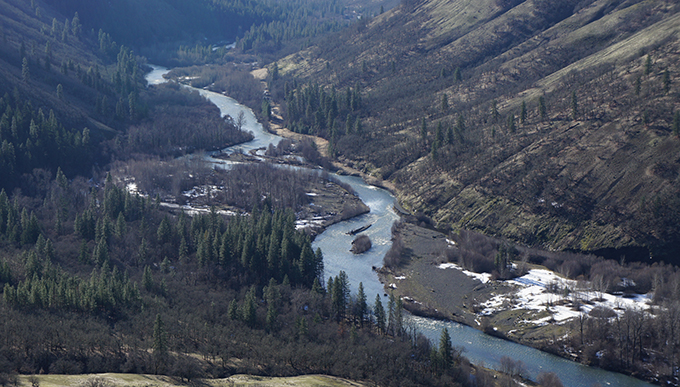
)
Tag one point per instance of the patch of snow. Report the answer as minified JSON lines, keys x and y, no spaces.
{"x":483,"y":277}
{"x":189,"y":210}
{"x":531,"y":294}
{"x":312,"y":194}
{"x":450,"y":242}
{"x":409,"y":299}
{"x":401,"y":277}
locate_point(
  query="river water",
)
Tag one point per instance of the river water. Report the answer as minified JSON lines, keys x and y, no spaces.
{"x":479,"y":347}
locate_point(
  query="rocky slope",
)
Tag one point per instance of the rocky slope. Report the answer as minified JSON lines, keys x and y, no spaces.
{"x":548,"y":122}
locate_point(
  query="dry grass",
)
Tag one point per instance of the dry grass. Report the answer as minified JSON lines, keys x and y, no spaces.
{"x":134,"y":380}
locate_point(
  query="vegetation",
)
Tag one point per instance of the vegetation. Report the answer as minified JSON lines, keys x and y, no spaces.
{"x":480,"y":124}
{"x":493,"y":132}
{"x":96,"y":278}
{"x":601,"y":335}
{"x":168,"y":287}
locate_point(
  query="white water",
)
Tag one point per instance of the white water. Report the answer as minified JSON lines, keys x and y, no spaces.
{"x":480,"y":348}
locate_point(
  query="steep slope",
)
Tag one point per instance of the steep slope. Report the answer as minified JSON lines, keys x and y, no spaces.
{"x":548,"y":122}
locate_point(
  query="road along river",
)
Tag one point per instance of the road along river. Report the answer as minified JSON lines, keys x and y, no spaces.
{"x":480,"y":348}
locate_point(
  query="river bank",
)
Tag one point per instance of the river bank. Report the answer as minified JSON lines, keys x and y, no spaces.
{"x":431,"y":286}
{"x":334,"y":242}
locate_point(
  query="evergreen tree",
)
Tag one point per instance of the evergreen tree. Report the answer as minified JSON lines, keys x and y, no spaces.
{"x":232,"y":312}
{"x":379,"y":313}
{"x":160,"y":344}
{"x":25,"y":72}
{"x":523,"y":113}
{"x":361,"y":305}
{"x":248,"y":309}
{"x":147,"y":279}
{"x":511,"y":123}
{"x":340,"y":295}
{"x":164,"y":232}
{"x":445,"y":349}
{"x":457,"y":75}
{"x":445,"y":102}
{"x":542,"y":109}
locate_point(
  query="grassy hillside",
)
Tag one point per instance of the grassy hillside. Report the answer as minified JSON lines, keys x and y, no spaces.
{"x":549,"y":122}
{"x":116,"y":380}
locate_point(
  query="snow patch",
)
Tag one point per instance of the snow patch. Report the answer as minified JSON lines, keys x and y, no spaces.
{"x":482,"y":277}
{"x":532,"y":292}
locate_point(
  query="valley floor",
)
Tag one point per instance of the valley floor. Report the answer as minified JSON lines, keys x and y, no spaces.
{"x":521,"y":309}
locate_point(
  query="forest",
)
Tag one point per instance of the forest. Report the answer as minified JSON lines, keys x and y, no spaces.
{"x":99,"y":277}
{"x":96,"y":279}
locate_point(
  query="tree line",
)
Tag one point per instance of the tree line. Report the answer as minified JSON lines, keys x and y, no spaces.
{"x":113,"y":283}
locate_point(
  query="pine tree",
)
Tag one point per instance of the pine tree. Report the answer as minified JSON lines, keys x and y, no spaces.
{"x":164,"y":232}
{"x":445,"y":102}
{"x":233,"y":310}
{"x":379,"y":313}
{"x":121,"y":226}
{"x":248,"y":309}
{"x":456,"y":75}
{"x":25,"y":71}
{"x":445,"y":349}
{"x":523,"y":113}
{"x":361,"y":305}
{"x":340,"y":295}
{"x":511,"y":123}
{"x":147,"y":279}
{"x":75,"y":25}
{"x":160,"y":344}
{"x":542,"y":109}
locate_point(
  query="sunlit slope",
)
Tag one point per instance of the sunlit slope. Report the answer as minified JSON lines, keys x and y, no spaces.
{"x":582,"y":175}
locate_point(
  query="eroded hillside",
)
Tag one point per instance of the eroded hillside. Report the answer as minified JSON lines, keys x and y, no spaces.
{"x":549,"y":122}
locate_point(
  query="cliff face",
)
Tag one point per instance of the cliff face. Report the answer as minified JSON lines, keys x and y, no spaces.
{"x":548,"y":122}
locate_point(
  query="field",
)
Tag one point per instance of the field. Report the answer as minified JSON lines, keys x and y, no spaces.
{"x":134,"y":380}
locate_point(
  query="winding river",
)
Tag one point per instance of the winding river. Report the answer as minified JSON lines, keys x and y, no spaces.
{"x":480,"y":348}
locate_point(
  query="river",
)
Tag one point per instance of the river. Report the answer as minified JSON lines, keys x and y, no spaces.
{"x":480,"y":348}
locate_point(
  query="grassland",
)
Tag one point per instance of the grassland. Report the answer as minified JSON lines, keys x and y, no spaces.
{"x":136,"y":380}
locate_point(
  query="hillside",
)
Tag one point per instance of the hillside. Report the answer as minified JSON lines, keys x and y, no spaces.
{"x":552,"y":123}
{"x":98,"y":278}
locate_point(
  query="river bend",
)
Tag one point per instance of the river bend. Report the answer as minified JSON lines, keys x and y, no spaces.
{"x":480,"y":348}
